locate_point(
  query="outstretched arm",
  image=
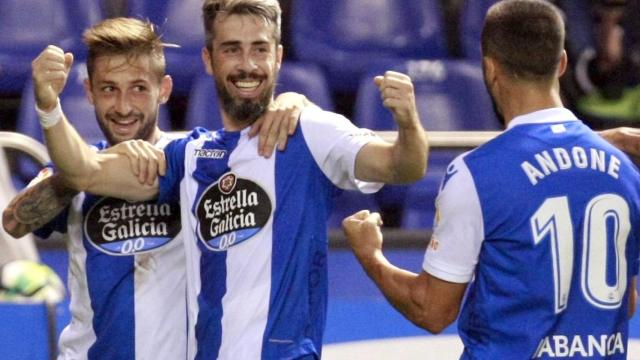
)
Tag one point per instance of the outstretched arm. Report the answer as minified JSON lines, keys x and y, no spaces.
{"x":405,"y":160}
{"x":626,"y":139}
{"x":80,"y":167}
{"x":36,"y":205}
{"x":425,"y":300}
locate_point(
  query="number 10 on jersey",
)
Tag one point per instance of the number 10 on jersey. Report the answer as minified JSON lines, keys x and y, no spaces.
{"x":553,"y":220}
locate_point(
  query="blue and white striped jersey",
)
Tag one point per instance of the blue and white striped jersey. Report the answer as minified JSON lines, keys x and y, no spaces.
{"x":544,"y":219}
{"x":256,"y":235}
{"x":126,"y":278}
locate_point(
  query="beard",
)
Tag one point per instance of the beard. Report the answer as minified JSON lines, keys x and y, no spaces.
{"x":144,"y":132}
{"x":245,"y":111}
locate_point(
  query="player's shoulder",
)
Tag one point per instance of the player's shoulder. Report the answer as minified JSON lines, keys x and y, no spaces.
{"x":314,"y":116}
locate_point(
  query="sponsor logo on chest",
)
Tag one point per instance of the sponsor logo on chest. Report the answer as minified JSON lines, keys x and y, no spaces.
{"x":118,"y":227}
{"x":231,"y":211}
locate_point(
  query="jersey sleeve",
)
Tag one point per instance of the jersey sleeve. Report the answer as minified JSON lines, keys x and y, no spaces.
{"x":334,"y":143}
{"x":458,"y":233}
{"x":174,"y":152}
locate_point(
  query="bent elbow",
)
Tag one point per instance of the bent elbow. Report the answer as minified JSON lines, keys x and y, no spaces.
{"x":436,"y":321}
{"x":435,"y":326}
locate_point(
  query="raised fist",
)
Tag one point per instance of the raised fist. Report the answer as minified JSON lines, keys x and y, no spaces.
{"x":50,"y":71}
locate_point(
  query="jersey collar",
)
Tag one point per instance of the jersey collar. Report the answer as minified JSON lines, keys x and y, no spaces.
{"x":551,"y":115}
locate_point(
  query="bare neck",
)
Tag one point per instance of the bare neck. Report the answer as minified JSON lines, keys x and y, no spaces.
{"x":521,"y":99}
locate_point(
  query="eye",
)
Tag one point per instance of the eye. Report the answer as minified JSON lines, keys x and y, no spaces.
{"x":231,"y":50}
{"x":107,"y":88}
{"x":140,"y":88}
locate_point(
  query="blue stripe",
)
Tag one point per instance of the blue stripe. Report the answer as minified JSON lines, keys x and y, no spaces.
{"x":213,"y":272}
{"x":298,"y":300}
{"x":111,"y":290}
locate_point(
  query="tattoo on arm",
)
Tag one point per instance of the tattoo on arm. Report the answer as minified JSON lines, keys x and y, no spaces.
{"x":36,"y":205}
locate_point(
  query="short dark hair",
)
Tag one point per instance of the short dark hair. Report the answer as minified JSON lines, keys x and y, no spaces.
{"x":125,"y":36}
{"x":524,"y":36}
{"x":269,"y":10}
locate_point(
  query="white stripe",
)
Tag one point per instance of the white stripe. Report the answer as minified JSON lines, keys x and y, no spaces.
{"x":78,"y":336}
{"x":246,"y":302}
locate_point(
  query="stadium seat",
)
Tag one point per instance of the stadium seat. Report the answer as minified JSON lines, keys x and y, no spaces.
{"x":307,"y":79}
{"x":28,"y":26}
{"x":577,"y":17}
{"x":450,"y":95}
{"x":348,"y":203}
{"x":470,"y":26}
{"x":347,"y":36}
{"x":180,"y":23}
{"x":77,"y":109}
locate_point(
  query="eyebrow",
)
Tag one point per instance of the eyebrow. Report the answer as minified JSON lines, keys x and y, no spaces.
{"x":238,"y":42}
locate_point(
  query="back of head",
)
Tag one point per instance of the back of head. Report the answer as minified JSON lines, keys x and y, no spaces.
{"x":268,"y":10}
{"x":525,"y":36}
{"x":125,"y":36}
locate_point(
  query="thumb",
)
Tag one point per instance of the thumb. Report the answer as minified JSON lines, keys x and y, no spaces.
{"x":378,"y":80}
{"x":68,"y":61}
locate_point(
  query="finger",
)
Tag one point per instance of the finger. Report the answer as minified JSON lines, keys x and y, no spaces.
{"x":132,"y":155}
{"x":285,"y":128}
{"x":265,"y":132}
{"x":162,"y":163}
{"x":378,"y":80}
{"x":68,"y":61}
{"x":294,"y":118}
{"x":151,"y":164}
{"x":255,"y":127}
{"x":142,"y":161}
{"x":375,"y":219}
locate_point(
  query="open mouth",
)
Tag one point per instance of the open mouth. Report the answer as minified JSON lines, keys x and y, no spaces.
{"x":124,"y":125}
{"x":247,"y":88}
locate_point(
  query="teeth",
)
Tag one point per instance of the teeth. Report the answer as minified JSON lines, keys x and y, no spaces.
{"x":247,"y":84}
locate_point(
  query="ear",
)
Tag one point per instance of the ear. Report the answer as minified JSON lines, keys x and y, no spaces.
{"x":279,"y":52}
{"x":166,"y":86}
{"x":206,"y":60}
{"x":490,"y":69}
{"x":88,"y":91}
{"x":564,"y":60}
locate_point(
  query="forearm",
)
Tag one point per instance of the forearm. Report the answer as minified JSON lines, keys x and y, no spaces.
{"x":35,"y":206}
{"x":74,"y":159}
{"x":410,"y":153}
{"x":403,"y":291}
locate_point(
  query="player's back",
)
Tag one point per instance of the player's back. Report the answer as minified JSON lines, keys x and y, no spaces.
{"x":559,"y":206}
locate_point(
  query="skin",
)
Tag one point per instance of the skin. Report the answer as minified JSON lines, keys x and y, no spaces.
{"x":429,"y":302}
{"x":107,"y":174}
{"x":126,"y":94}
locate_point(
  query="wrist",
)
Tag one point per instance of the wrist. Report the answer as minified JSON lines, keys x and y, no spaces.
{"x":49,"y":118}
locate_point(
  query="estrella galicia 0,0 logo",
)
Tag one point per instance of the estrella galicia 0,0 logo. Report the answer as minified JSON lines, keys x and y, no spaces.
{"x":119,"y":227}
{"x":231,"y":211}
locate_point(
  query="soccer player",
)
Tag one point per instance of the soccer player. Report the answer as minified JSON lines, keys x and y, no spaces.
{"x":127,"y":259}
{"x":255,"y":228}
{"x":539,"y":224}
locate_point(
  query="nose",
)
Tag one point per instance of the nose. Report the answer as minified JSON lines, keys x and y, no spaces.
{"x":123,"y":107}
{"x":248,"y":63}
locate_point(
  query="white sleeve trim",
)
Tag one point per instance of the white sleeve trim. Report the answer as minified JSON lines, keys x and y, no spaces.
{"x":334,"y":143}
{"x":458,"y":233}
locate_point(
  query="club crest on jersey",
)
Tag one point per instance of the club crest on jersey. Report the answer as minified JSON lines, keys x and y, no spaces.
{"x":119,"y":227}
{"x":231,"y":211}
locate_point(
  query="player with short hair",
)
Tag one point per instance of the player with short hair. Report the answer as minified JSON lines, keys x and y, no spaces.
{"x":126,"y":259}
{"x":255,"y":228}
{"x":540,"y":223}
